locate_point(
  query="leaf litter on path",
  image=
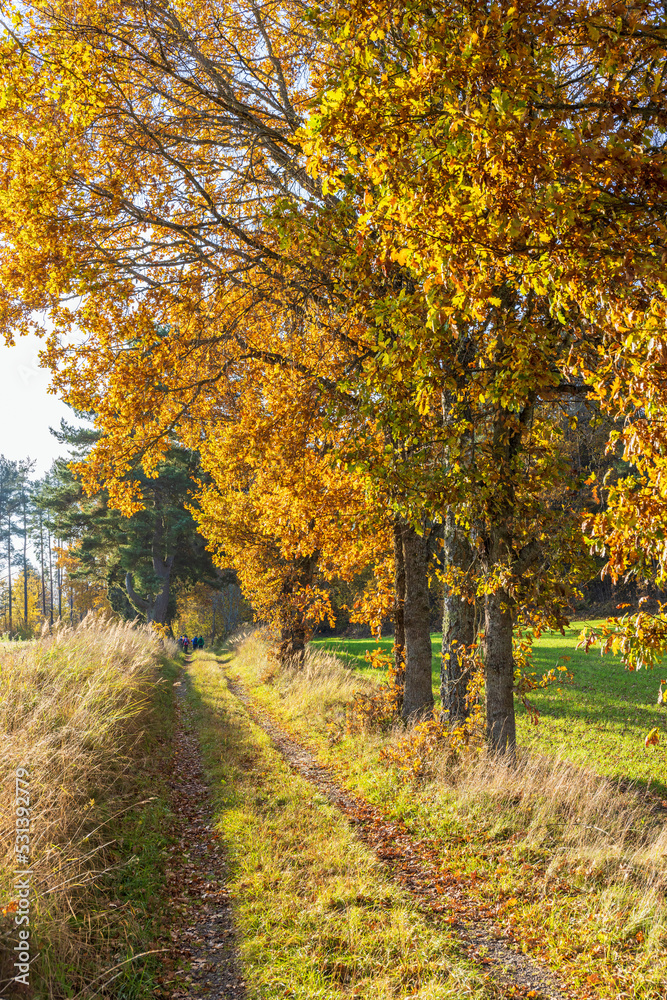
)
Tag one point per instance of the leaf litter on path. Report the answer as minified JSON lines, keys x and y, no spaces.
{"x":202,"y":926}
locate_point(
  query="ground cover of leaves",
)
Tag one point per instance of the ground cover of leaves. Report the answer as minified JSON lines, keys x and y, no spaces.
{"x":589,"y":917}
{"x":202,"y":958}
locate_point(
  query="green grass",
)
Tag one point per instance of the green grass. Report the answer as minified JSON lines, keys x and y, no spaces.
{"x":599,"y":720}
{"x":318,"y":918}
{"x":567,"y":862}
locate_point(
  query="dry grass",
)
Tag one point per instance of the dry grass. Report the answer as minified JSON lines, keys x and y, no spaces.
{"x":74,"y":708}
{"x":609,"y":840}
{"x":571,"y":863}
{"x":322,"y":686}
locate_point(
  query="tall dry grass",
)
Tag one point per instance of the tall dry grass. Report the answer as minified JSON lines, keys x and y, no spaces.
{"x":322,"y":686}
{"x":74,"y":708}
{"x":599,"y":837}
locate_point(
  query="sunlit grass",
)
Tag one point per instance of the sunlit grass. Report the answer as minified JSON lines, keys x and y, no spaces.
{"x":78,"y":709}
{"x":599,"y":720}
{"x":570,"y":863}
{"x":318,"y":918}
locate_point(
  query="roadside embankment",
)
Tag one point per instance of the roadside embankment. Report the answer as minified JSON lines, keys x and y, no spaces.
{"x":85,"y":718}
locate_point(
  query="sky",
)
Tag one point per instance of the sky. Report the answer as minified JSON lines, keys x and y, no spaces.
{"x":26,"y":408}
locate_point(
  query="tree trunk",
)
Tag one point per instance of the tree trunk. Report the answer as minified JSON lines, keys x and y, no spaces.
{"x":293,"y":632}
{"x":41,"y":559}
{"x":155,"y":610}
{"x":292,"y":643}
{"x":458,"y":627}
{"x":399,"y":613}
{"x":499,"y":672}
{"x":162,"y":568}
{"x":50,"y":576}
{"x":418,"y":693}
{"x":25,"y":565}
{"x":60,"y":586}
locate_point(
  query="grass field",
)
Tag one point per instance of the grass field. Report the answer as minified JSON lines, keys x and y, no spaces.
{"x":599,"y":720}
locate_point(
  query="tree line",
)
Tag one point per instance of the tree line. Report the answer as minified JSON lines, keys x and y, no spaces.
{"x":66,"y":554}
{"x":386,"y":269}
{"x":29,"y":595}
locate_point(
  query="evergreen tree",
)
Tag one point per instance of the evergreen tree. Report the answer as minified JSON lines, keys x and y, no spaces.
{"x":145,"y":559}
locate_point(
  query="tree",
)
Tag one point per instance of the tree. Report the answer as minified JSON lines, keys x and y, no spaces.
{"x":522,"y":148}
{"x":248,"y":253}
{"x":142,"y":559}
{"x":489,"y":348}
{"x":150,"y":305}
{"x":280,"y":510}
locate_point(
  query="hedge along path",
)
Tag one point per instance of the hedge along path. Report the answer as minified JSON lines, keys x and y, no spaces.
{"x":411,"y":862}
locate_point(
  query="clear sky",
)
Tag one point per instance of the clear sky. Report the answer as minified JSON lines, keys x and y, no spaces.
{"x":26,"y":408}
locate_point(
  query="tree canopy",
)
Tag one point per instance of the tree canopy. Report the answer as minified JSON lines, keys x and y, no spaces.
{"x":368,"y":261}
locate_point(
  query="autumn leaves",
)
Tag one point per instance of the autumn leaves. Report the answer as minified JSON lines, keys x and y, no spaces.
{"x":374,"y":262}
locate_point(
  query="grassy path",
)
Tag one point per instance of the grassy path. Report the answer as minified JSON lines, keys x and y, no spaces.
{"x":415,"y":866}
{"x":203,"y":958}
{"x":319,"y":916}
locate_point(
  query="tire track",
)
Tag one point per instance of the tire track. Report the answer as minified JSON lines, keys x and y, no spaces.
{"x":202,"y":920}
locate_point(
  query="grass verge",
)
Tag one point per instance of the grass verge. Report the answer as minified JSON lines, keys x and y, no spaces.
{"x":599,"y":720}
{"x":571,"y":865}
{"x":87,"y":713}
{"x":318,"y":917}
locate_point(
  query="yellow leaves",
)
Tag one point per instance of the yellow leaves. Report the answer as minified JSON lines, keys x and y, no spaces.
{"x":401,"y":256}
{"x":652,"y":738}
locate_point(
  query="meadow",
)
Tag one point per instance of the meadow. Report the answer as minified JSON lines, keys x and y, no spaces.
{"x":599,"y":719}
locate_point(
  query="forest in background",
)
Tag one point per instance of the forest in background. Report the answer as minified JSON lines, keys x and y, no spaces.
{"x":66,"y":555}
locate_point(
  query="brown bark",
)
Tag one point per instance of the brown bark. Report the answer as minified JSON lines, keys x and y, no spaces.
{"x":458,"y":627}
{"x":499,"y":606}
{"x":41,"y":559}
{"x":155,"y":609}
{"x":399,"y":611}
{"x":418,"y":692}
{"x":293,"y":633}
{"x":499,"y":672}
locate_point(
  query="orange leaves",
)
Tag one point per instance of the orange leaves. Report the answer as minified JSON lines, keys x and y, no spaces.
{"x":640,"y":639}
